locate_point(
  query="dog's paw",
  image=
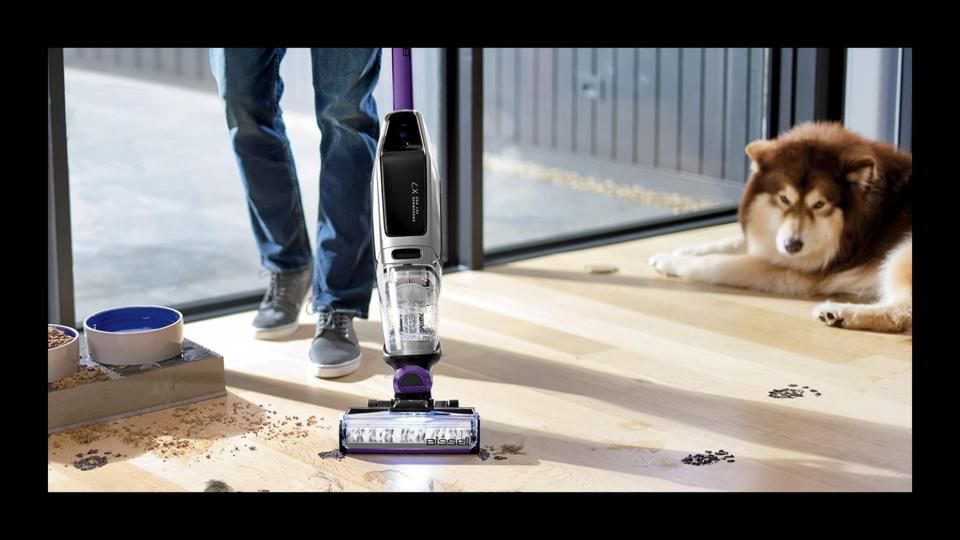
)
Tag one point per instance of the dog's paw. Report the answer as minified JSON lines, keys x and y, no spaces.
{"x":667,"y":263}
{"x":829,"y":314}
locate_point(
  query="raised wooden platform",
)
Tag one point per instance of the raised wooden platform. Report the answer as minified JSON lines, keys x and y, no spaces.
{"x":607,"y":382}
{"x":195,"y":375}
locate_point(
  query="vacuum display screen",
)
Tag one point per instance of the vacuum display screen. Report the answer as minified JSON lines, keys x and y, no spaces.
{"x":404,"y":177}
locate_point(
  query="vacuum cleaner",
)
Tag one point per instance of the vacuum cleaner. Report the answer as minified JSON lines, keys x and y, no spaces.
{"x":407,"y":242}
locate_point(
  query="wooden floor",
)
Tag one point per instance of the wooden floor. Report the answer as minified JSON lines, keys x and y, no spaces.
{"x":607,"y":382}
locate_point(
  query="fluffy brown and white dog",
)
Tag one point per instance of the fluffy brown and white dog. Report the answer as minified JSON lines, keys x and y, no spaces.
{"x":824,"y":212}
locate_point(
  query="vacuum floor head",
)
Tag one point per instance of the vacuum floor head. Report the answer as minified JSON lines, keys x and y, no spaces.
{"x":381,"y":430}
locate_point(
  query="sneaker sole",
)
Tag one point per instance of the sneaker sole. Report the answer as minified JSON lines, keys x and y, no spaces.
{"x":276,"y":331}
{"x":339,"y":370}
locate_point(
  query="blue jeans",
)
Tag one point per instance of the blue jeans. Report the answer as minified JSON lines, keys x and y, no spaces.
{"x":343,"y":82}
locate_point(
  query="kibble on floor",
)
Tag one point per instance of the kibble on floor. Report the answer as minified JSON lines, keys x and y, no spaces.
{"x":791,"y":392}
{"x":708,"y":457}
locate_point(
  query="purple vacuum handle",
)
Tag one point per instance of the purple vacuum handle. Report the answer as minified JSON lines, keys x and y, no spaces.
{"x":402,"y":79}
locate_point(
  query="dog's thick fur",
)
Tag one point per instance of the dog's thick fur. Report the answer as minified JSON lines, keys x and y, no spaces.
{"x":824,"y":212}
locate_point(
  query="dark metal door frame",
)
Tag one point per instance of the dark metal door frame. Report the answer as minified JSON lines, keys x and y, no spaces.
{"x":60,"y":301}
{"x":805,"y":84}
{"x":905,"y":137}
{"x":464,"y":144}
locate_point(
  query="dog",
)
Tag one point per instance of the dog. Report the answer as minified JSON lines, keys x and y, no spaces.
{"x":824,"y":212}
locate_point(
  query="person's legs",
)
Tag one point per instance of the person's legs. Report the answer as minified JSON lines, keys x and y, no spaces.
{"x":343,"y":81}
{"x":250,"y":88}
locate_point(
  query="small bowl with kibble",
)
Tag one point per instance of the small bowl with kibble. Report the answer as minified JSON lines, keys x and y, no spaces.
{"x":63,"y":352}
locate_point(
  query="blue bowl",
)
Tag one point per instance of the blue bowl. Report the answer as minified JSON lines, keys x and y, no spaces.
{"x":134,"y":335}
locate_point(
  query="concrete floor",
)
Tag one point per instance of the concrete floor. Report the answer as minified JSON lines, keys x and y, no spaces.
{"x":159,"y":214}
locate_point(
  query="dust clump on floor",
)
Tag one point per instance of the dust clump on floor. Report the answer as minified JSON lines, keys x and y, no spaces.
{"x":331,"y":454}
{"x":90,"y":462}
{"x":486,"y":452}
{"x":512,"y":448}
{"x":218,"y":486}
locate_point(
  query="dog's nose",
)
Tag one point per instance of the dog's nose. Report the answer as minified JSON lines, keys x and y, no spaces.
{"x":793,"y":245}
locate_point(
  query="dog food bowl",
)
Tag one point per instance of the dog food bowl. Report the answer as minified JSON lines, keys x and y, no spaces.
{"x":134,"y":335}
{"x":63,"y":360}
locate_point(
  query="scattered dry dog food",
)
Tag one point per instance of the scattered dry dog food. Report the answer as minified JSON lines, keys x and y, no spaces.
{"x":190,"y":431}
{"x":791,"y":392}
{"x":84,"y":375}
{"x":708,"y":458}
{"x":56,"y":337}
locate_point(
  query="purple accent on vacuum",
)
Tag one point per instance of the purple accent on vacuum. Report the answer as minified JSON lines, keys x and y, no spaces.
{"x":418,"y":371}
{"x":402,"y":79}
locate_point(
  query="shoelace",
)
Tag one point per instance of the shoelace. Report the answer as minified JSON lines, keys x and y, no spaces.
{"x":336,"y":321}
{"x":279,"y":292}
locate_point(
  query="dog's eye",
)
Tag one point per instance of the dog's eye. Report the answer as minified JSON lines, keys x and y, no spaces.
{"x":818,"y":205}
{"x":784,"y":199}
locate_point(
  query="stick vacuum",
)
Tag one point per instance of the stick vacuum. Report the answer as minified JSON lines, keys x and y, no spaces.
{"x":407,"y":242}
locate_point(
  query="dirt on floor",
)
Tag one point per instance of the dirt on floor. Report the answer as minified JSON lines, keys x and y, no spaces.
{"x":190,"y":430}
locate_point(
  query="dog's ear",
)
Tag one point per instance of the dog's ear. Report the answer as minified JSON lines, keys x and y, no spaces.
{"x":860,"y":168}
{"x":760,"y":152}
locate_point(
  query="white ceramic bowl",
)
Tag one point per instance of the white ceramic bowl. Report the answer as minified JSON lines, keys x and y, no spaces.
{"x":63,"y":360}
{"x":134,"y":335}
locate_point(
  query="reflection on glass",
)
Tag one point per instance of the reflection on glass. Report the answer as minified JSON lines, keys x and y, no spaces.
{"x":579,"y":140}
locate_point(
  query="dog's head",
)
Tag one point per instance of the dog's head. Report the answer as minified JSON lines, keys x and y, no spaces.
{"x":803,"y":186}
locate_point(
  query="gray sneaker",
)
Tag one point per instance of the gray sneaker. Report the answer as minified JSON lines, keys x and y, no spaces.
{"x":280,"y":307}
{"x":335,"y":351}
